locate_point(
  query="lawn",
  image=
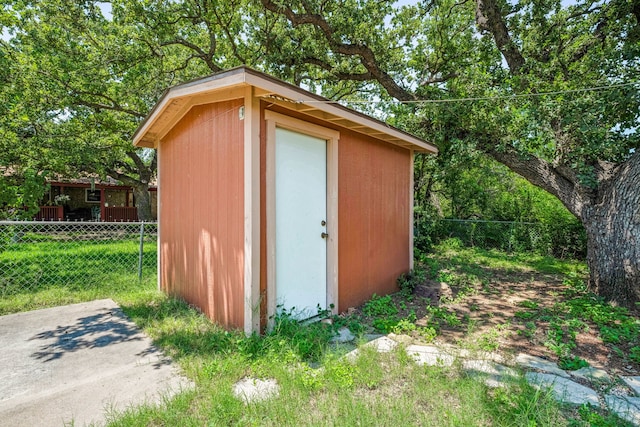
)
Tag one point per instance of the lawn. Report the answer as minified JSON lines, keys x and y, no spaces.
{"x":44,"y":272}
{"x":475,"y":299}
{"x":317,"y":386}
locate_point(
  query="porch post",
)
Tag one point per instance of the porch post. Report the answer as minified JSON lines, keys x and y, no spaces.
{"x":102,"y":199}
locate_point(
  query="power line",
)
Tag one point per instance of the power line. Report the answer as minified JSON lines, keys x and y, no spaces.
{"x":478,"y":98}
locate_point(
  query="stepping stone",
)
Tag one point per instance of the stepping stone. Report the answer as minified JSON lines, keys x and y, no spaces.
{"x":563,"y":389}
{"x":382,"y":344}
{"x":633,"y":383}
{"x":254,"y":390}
{"x":496,"y":374}
{"x":593,"y":374}
{"x":371,"y":337}
{"x":627,"y":408}
{"x":534,"y":362}
{"x":429,"y":355}
{"x":344,"y":335}
{"x":480,"y":355}
{"x":402,"y":339}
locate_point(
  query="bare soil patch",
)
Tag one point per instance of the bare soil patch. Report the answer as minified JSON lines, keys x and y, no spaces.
{"x":509,"y":310}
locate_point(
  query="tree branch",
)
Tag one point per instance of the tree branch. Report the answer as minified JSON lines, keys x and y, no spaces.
{"x":541,"y":173}
{"x":489,"y":18}
{"x":366,"y":55}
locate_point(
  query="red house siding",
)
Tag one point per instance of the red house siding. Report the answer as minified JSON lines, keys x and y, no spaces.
{"x":202,"y":211}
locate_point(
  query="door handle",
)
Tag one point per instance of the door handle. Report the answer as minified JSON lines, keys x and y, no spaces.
{"x":324,"y":235}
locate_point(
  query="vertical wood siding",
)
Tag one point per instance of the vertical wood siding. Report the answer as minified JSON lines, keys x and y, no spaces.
{"x":373,"y":210}
{"x":202,"y":211}
{"x":373,"y":204}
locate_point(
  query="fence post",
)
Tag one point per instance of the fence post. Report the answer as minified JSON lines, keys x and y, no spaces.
{"x":140,"y":252}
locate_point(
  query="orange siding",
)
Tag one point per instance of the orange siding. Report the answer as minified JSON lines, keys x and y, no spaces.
{"x":373,"y":214}
{"x":373,"y":204}
{"x":202,"y":211}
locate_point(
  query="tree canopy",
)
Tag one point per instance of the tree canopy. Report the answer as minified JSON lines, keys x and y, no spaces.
{"x":549,"y":89}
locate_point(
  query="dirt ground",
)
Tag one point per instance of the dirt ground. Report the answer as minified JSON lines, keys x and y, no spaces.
{"x":487,"y":314}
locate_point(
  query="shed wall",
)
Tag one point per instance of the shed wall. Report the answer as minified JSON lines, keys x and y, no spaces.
{"x":202,"y":211}
{"x":373,"y":220}
{"x":374,"y":187}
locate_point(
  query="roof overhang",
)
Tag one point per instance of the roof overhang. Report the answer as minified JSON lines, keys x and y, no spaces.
{"x":232,"y":84}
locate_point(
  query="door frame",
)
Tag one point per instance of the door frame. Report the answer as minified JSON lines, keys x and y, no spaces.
{"x":276,"y":120}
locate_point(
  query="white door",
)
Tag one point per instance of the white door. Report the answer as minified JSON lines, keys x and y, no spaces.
{"x":300,"y":221}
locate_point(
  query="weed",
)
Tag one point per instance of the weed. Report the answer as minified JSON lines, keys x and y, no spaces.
{"x":529,"y":330}
{"x":446,"y":277}
{"x":340,"y":373}
{"x":529,"y":304}
{"x":562,"y":334}
{"x":634,"y":354}
{"x":490,"y":340}
{"x":380,"y":306}
{"x":405,"y":326}
{"x":385,"y":324}
{"x":572,"y":363}
{"x":525,"y":315}
{"x":432,"y":267}
{"x":594,"y":418}
{"x":441,"y":313}
{"x":452,"y":243}
{"x":310,"y":379}
{"x":427,"y":334}
{"x":407,"y":282}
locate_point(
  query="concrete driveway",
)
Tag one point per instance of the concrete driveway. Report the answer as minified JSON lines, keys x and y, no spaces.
{"x":76,"y":364}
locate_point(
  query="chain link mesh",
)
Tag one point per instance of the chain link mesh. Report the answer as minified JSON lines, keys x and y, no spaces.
{"x":560,"y":240}
{"x":40,"y":255}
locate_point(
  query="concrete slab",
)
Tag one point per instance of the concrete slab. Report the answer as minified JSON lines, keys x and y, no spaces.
{"x":533,"y":362}
{"x":430,"y":355}
{"x":633,"y":383}
{"x":76,"y":364}
{"x":592,"y":374}
{"x":344,"y":335}
{"x":496,"y":375}
{"x":627,"y":408}
{"x":563,"y":389}
{"x":255,"y":390}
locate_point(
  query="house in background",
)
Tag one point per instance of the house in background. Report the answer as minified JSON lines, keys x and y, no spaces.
{"x":272,"y":198}
{"x":90,"y":199}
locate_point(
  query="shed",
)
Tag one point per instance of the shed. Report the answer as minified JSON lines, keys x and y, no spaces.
{"x":271,"y":197}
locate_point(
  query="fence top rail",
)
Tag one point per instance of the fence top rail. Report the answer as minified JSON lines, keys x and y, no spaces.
{"x":489,"y":221}
{"x":78,"y":222}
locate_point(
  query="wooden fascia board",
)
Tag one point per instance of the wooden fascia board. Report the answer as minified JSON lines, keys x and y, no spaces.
{"x":166,"y":118}
{"x":325,"y":110}
{"x":186,"y":90}
{"x":198,"y":92}
{"x":225,"y":94}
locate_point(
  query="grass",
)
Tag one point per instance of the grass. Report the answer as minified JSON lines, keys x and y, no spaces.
{"x":48,"y":273}
{"x":476,"y":261}
{"x":317,"y":385}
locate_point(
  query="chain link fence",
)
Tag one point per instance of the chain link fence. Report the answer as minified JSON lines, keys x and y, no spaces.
{"x":36,"y":256}
{"x":562,"y":240}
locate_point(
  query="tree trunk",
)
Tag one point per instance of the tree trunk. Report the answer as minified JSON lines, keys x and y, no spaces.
{"x":610,"y":216}
{"x":143,"y":201}
{"x":139,"y":184}
{"x":613,"y":236}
